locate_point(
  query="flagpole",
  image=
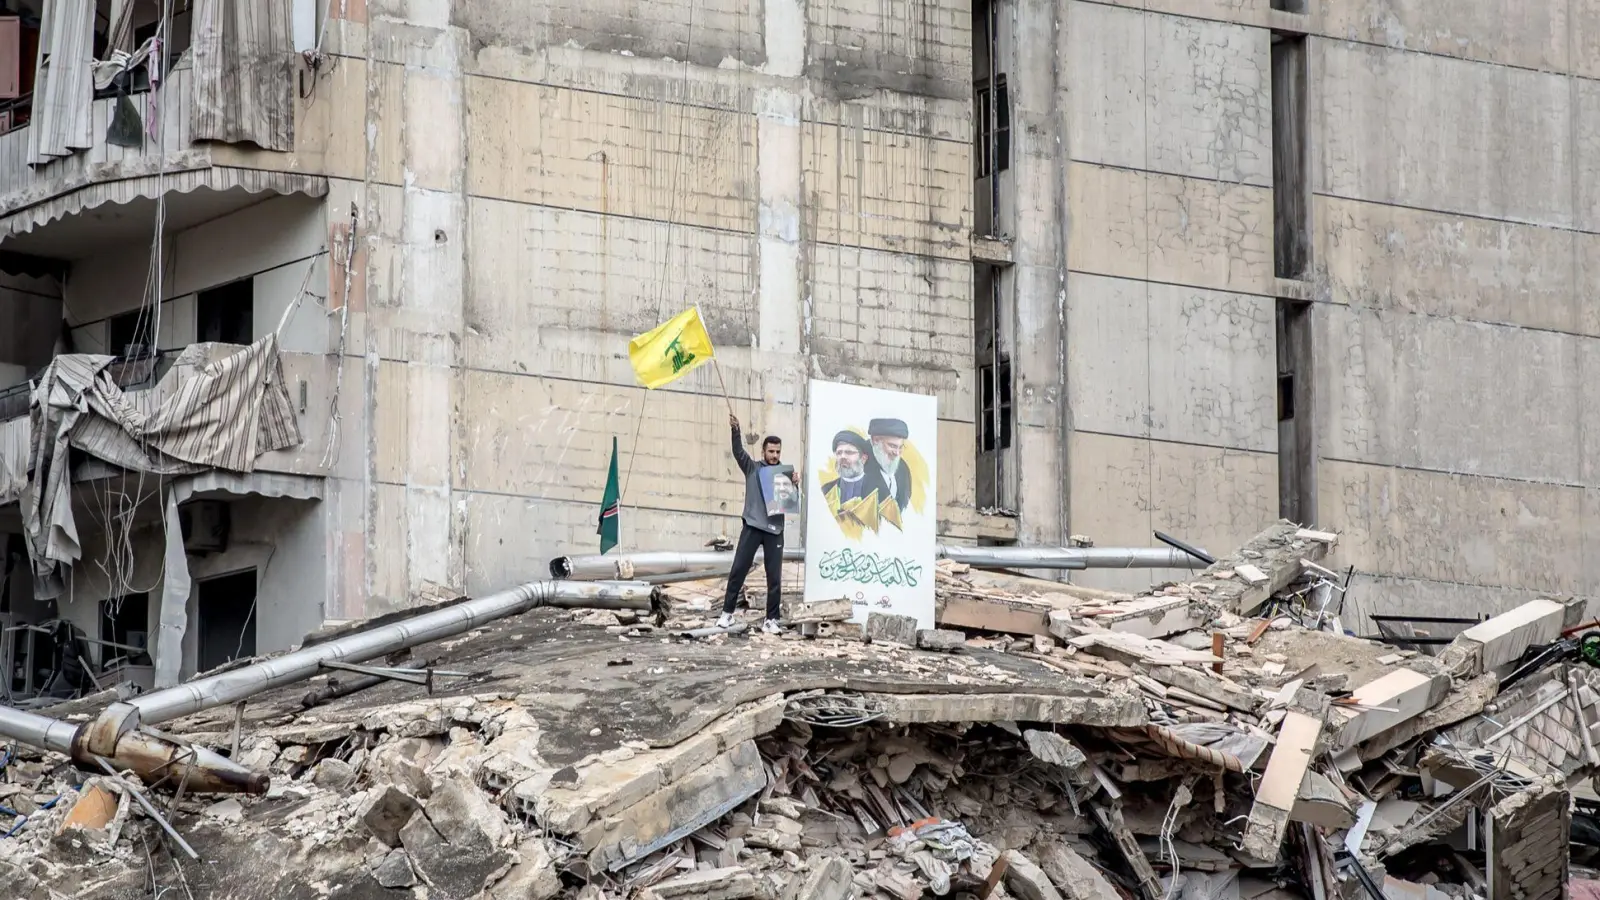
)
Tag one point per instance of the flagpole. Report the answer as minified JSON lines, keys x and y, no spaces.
{"x":718,"y":367}
{"x":633,"y":448}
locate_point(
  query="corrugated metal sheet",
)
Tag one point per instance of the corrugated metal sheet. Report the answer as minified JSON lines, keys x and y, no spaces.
{"x":244,"y":72}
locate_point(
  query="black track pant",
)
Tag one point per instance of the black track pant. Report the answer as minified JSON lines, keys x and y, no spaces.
{"x":743,"y":558}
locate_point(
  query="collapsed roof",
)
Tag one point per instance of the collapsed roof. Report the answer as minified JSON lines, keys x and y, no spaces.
{"x":1220,"y":737}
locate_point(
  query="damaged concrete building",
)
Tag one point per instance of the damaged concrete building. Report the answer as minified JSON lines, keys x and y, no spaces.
{"x":1185,"y":266}
{"x":1213,"y":738}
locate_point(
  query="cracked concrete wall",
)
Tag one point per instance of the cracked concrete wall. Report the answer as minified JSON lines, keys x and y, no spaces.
{"x":538,"y":183}
{"x":1171,"y":359}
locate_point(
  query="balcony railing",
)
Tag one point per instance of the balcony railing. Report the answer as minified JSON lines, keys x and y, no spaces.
{"x":22,"y":185}
{"x":135,"y":372}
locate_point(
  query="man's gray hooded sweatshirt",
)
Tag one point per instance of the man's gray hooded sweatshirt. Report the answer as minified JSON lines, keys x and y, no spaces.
{"x":755,"y":502}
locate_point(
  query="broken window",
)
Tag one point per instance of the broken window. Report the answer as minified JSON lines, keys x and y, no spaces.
{"x":994,"y":391}
{"x":131,"y":335}
{"x":125,"y":631}
{"x":994,"y":127}
{"x":226,"y":314}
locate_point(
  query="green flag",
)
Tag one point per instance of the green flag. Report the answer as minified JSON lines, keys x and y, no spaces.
{"x":610,"y":505}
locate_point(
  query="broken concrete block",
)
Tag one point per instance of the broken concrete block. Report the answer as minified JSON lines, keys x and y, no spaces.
{"x":1075,"y":876}
{"x":453,"y":869}
{"x":677,"y":809}
{"x":839,"y":610}
{"x":1251,"y":574}
{"x":1406,"y":692}
{"x":1151,"y":617}
{"x":940,"y":639}
{"x":890,"y":627}
{"x":1321,"y":803}
{"x":532,"y":877}
{"x":709,"y":884}
{"x":773,"y":838}
{"x":1056,"y":750}
{"x":829,"y":879}
{"x":1280,"y":786}
{"x":1489,"y":645}
{"x":403,"y":763}
{"x":385,"y":811}
{"x":92,"y":812}
{"x":1027,"y":880}
{"x":395,"y":871}
{"x":333,"y":774}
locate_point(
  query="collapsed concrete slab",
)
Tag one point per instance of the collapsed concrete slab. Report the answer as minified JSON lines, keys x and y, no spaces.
{"x":1502,"y":639}
{"x":1385,"y":703}
{"x":1280,"y":786}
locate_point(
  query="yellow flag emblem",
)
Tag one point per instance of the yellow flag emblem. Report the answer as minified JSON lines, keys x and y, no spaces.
{"x":671,"y":350}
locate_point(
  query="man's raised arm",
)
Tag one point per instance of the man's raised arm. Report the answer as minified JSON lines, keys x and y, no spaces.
{"x":740,"y":457}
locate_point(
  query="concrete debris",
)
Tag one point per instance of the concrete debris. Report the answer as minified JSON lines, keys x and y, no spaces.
{"x":1221,"y":738}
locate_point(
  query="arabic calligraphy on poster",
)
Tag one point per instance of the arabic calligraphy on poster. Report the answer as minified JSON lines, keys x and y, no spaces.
{"x":871,"y":488}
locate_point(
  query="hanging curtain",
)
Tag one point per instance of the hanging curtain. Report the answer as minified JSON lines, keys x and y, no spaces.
{"x":63,"y":92}
{"x":244,"y":72}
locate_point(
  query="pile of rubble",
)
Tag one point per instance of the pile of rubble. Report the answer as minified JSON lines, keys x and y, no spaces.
{"x":1219,"y":739}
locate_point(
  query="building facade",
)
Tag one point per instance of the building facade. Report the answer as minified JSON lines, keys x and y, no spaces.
{"x":1178,"y":265}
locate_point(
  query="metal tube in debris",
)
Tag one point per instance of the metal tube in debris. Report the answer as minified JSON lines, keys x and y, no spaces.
{"x":36,"y":730}
{"x":710,"y":563}
{"x":239,"y":684}
{"x":640,"y":565}
{"x":1070,"y":557}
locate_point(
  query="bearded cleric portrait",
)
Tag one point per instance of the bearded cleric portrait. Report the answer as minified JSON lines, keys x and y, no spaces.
{"x":885,"y":469}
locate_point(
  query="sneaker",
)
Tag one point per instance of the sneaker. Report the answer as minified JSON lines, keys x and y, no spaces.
{"x":725,"y":620}
{"x":771,"y":626}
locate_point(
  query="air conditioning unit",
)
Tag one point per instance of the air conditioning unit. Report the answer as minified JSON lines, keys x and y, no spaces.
{"x":205,"y":526}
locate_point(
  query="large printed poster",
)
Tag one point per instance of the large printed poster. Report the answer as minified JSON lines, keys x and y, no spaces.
{"x":871,"y":490}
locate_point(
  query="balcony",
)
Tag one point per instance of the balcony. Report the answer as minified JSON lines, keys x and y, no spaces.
{"x":102,"y":196}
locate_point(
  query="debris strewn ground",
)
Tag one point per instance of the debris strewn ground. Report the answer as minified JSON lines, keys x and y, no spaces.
{"x":1219,"y":739}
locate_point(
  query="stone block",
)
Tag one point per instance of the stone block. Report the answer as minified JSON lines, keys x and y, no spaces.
{"x":395,"y":871}
{"x":1407,"y":692}
{"x":1075,"y":876}
{"x":1502,"y":639}
{"x":940,"y":639}
{"x":385,"y":811}
{"x":532,"y":877}
{"x":1027,"y":880}
{"x":890,"y":627}
{"x":676,"y":809}
{"x":829,"y":879}
{"x":732,"y":883}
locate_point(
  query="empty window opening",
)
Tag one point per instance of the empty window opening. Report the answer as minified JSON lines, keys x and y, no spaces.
{"x":1291,"y":189}
{"x":994,"y":126}
{"x":1294,"y":6}
{"x":991,"y":117}
{"x":131,"y":335}
{"x":992,"y":329}
{"x":1297,"y":450}
{"x":226,"y":314}
{"x":125,"y":631}
{"x":226,"y":609}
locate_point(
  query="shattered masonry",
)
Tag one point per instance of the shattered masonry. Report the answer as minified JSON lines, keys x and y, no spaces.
{"x":1098,"y":750}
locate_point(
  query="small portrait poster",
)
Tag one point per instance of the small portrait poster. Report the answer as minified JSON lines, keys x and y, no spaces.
{"x":871,"y":464}
{"x":778,"y":489}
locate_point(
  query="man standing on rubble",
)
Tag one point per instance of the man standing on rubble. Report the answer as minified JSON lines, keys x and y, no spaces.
{"x":760,"y":530}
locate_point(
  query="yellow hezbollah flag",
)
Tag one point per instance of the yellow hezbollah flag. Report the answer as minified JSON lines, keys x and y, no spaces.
{"x":671,"y":350}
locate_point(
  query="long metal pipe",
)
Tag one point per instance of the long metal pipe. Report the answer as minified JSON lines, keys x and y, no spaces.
{"x":710,"y":563}
{"x":36,"y":730}
{"x":1070,"y":557}
{"x":239,"y":684}
{"x":641,"y":565}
